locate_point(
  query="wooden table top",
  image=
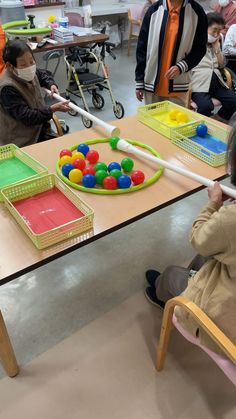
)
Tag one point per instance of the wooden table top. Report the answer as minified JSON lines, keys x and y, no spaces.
{"x":18,"y":254}
{"x":78,"y":41}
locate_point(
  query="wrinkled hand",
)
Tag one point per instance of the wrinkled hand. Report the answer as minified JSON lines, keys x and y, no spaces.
{"x":139,"y":95}
{"x":54,"y":89}
{"x":215,"y":194}
{"x":172,"y":73}
{"x":60,"y":107}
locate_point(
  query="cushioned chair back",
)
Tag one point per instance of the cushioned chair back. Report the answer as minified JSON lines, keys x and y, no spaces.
{"x":225,"y":364}
{"x":75,"y":19}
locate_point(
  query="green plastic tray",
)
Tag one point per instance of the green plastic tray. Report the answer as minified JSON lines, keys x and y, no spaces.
{"x":80,"y":227}
{"x":16,"y":165}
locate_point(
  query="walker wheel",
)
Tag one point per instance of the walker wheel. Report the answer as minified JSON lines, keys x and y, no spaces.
{"x":118,"y":110}
{"x":98,"y":101}
{"x":72,"y":112}
{"x":87,"y":123}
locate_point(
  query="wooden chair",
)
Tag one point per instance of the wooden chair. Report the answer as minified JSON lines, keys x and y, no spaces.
{"x":58,"y":126}
{"x":134,"y":16}
{"x":226,"y":363}
{"x":7,"y":356}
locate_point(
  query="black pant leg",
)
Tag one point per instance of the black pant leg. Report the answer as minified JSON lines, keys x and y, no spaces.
{"x":227,"y":98}
{"x":204,"y":103}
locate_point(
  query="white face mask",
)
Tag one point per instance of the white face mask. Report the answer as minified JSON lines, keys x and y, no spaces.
{"x":27,"y":73}
{"x":224,"y":3}
{"x":212,"y":39}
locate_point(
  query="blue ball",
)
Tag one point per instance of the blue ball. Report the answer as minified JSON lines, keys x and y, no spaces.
{"x":66,"y":168}
{"x":113,"y":165}
{"x":124,"y":182}
{"x":202,"y":130}
{"x":89,"y":181}
{"x":83,"y":148}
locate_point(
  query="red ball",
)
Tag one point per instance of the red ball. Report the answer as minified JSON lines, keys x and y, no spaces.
{"x":79,"y":164}
{"x":109,"y":182}
{"x":137,"y":177}
{"x":92,"y":156}
{"x":65,"y":153}
{"x":89,"y":170}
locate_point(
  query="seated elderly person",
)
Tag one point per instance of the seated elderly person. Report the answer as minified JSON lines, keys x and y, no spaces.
{"x":207,"y":81}
{"x":230,"y":48}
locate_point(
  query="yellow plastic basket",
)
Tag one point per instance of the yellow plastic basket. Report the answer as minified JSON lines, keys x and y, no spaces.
{"x":180,"y":138}
{"x":147,"y":114}
{"x":35,"y":186}
{"x":8,"y":152}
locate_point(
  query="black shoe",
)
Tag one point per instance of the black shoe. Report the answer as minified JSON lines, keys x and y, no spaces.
{"x":151,"y":276}
{"x":150,"y":294}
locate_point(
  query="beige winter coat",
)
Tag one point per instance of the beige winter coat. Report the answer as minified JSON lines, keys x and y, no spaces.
{"x":213,"y":288}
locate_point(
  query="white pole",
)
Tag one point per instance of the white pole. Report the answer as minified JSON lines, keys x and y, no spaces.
{"x":110,"y":129}
{"x":129,"y":148}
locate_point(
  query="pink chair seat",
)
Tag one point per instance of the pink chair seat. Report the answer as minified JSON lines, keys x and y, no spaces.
{"x":75,"y":19}
{"x":225,"y":364}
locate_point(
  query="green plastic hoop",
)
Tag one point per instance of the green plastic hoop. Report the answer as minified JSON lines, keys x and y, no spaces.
{"x":146,"y":183}
{"x":29,"y":32}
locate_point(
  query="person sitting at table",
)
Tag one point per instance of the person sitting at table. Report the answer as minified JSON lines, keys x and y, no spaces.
{"x":227,"y":8}
{"x":207,"y":81}
{"x":229,"y":48}
{"x":210,"y":279}
{"x":24,"y":116}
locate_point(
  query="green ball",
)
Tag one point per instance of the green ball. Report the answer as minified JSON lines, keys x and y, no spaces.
{"x":113,"y":142}
{"x":115,"y":173}
{"x":100,"y":176}
{"x":127,"y":164}
{"x":100,"y":166}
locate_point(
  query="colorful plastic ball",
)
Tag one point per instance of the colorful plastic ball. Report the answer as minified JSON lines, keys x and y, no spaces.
{"x":173,"y":113}
{"x":124,"y":182}
{"x":89,"y":181}
{"x":182,"y":117}
{"x":100,"y":176}
{"x":89,"y":170}
{"x":66,"y":168}
{"x":113,"y":142}
{"x":202,"y":130}
{"x":77,"y":155}
{"x":92,"y":156}
{"x":79,"y":164}
{"x":137,"y":177}
{"x":100,"y":166}
{"x":116,"y":173}
{"x":75,"y":175}
{"x":83,"y":148}
{"x":64,"y":160}
{"x":113,"y":165}
{"x":127,"y":164}
{"x":109,"y":182}
{"x":65,"y":152}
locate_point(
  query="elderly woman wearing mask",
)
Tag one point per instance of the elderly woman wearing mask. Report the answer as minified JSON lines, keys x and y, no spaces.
{"x":227,"y":8}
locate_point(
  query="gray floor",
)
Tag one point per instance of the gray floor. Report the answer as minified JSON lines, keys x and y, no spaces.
{"x":49,"y":304}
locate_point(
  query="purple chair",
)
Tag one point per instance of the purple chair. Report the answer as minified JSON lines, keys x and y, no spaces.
{"x":226,"y":363}
{"x":75,"y":19}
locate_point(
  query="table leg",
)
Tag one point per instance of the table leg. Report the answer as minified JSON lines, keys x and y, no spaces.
{"x":7,"y":355}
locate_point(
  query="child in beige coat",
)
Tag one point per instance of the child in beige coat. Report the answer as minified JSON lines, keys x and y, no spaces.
{"x":210,"y":280}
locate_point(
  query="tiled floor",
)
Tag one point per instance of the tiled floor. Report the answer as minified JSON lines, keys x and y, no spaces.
{"x":105,"y":370}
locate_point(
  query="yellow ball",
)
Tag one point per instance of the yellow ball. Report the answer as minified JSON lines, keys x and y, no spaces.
{"x":182,"y":117}
{"x":75,"y":175}
{"x":77,"y":155}
{"x":173,"y":113}
{"x":65,"y":159}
